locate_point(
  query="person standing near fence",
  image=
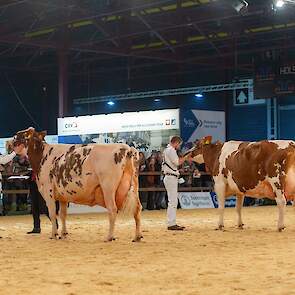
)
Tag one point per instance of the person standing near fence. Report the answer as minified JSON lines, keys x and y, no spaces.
{"x":38,"y":206}
{"x":171,"y":161}
{"x":38,"y":202}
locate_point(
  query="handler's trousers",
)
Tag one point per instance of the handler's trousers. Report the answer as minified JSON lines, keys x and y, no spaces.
{"x":171,"y":185}
{"x":39,"y":205}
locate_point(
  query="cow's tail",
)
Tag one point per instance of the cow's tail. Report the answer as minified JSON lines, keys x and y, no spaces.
{"x":132,"y":202}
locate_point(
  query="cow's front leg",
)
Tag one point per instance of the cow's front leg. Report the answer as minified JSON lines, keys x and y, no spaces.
{"x":220,"y":192}
{"x":52,"y":215}
{"x":239,"y":205}
{"x":63,"y":216}
{"x":281,"y":203}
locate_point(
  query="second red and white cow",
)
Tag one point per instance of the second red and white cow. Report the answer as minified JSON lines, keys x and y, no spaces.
{"x":105,"y":175}
{"x":256,"y":169}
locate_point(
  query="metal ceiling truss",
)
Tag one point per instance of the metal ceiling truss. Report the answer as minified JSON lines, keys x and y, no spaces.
{"x":242,"y":84}
{"x":195,"y":18}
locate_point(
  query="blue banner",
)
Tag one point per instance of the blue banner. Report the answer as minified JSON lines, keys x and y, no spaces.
{"x":195,"y":124}
{"x":229,"y":202}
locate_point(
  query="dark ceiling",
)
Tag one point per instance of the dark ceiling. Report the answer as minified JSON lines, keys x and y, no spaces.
{"x":109,"y":35}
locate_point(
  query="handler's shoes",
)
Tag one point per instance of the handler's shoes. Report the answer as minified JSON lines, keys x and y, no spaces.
{"x":176,"y":227}
{"x":34,"y":231}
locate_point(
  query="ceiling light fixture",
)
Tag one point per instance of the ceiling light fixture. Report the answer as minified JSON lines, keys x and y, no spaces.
{"x":199,"y":95}
{"x":240,"y":6}
{"x":280,"y":3}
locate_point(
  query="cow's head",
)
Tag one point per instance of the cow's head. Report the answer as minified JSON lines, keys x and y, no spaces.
{"x":30,"y":138}
{"x":197,"y":152}
{"x":34,"y":141}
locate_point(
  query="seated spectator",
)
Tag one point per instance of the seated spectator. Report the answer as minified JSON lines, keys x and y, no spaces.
{"x":151,"y":167}
{"x":188,"y":168}
{"x":159,"y":195}
{"x":20,"y":150}
{"x":20,"y":165}
{"x":205,"y":180}
{"x":142,"y":162}
{"x":8,"y":200}
{"x":142,"y":178}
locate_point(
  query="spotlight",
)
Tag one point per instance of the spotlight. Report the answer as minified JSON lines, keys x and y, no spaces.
{"x":280,"y":3}
{"x":157,"y":100}
{"x":199,"y":95}
{"x":111,"y":103}
{"x":239,"y":5}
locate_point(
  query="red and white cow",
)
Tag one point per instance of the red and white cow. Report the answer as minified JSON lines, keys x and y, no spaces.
{"x":94,"y":174}
{"x":256,"y":169}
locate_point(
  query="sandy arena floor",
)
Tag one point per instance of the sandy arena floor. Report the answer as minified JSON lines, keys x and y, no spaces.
{"x":257,"y":260}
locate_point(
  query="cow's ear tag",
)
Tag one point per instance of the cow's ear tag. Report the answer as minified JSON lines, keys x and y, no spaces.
{"x":207,"y":139}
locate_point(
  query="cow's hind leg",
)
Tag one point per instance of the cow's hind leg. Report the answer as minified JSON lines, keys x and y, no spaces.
{"x":109,"y":199}
{"x":137,"y":213}
{"x":50,"y":202}
{"x":63,"y":216}
{"x":281,"y":203}
{"x":239,"y":205}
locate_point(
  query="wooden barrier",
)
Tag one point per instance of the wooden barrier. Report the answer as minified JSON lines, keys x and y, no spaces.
{"x":141,"y":189}
{"x":15,"y":191}
{"x":180,"y":189}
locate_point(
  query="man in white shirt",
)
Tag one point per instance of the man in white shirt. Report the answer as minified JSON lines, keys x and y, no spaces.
{"x":171,"y":161}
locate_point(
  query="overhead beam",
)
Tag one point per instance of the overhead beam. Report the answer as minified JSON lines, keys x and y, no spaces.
{"x":98,"y":24}
{"x":13,"y":3}
{"x":198,"y":29}
{"x":93,"y":49}
{"x":155,"y":32}
{"x":100,"y":15}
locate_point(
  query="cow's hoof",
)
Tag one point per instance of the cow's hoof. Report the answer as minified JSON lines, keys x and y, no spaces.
{"x":64,"y":235}
{"x":54,"y":237}
{"x":281,"y":229}
{"x":220,"y":227}
{"x":137,"y":239}
{"x":241,"y":226}
{"x":110,"y":239}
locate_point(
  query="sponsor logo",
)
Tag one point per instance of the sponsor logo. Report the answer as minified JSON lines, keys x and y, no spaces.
{"x":169,"y":122}
{"x":71,"y":125}
{"x":189,"y":123}
{"x":287,"y":70}
{"x":229,"y":202}
{"x":186,"y":200}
